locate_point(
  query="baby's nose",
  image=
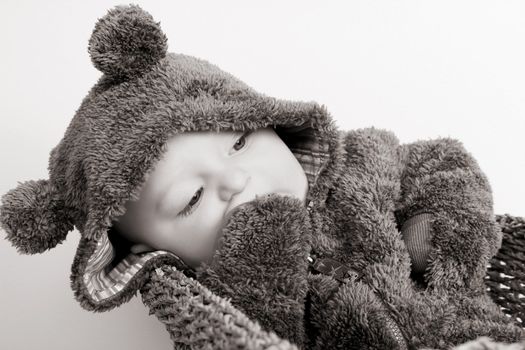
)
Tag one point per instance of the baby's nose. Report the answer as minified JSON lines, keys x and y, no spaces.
{"x":232,"y":182}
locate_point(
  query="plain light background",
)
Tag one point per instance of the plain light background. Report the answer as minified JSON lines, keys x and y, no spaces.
{"x":422,"y":69}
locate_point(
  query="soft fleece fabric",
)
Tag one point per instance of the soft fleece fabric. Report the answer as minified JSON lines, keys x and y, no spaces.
{"x":366,"y":187}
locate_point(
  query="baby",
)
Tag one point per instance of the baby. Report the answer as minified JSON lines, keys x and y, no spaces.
{"x":204,"y":175}
{"x":191,"y":187}
{"x":190,"y":194}
{"x":174,"y":212}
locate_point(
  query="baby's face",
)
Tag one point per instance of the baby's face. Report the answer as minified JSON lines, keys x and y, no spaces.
{"x":204,"y":175}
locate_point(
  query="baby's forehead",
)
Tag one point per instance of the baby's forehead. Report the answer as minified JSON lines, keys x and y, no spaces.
{"x":187,"y":150}
{"x":187,"y":146}
{"x":193,"y":148}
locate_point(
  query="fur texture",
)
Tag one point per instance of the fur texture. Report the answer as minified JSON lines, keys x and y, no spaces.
{"x":367,"y":186}
{"x":34,"y":217}
{"x":383,"y":185}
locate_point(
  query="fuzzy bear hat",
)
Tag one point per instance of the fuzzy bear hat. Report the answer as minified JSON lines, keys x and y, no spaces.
{"x":144,"y":96}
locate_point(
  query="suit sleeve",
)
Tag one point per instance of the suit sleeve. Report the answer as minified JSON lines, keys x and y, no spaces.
{"x":442,"y":179}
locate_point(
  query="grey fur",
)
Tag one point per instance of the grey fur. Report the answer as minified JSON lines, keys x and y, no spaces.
{"x":369,"y":185}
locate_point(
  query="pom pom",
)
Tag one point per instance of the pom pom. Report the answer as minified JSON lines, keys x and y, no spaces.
{"x":34,"y":217}
{"x":126,"y":42}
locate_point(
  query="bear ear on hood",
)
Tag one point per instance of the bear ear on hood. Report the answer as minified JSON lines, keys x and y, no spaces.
{"x":34,"y":216}
{"x":126,"y":42}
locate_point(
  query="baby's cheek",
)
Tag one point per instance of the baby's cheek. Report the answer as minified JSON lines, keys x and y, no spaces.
{"x":196,"y":258}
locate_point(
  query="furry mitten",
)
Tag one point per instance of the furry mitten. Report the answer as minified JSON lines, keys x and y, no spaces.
{"x":261,"y":265}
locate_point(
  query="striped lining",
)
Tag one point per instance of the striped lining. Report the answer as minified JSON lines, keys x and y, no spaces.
{"x":417,"y":235}
{"x":304,"y":143}
{"x":102,"y":281}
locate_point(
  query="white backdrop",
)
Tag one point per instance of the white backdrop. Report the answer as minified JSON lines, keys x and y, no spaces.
{"x":421,"y":69}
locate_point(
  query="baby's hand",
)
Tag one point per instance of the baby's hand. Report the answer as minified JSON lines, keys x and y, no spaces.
{"x":262,"y":263}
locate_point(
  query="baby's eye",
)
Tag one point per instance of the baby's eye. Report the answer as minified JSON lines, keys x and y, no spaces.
{"x":241,"y":141}
{"x":191,"y":205}
{"x":195,"y":197}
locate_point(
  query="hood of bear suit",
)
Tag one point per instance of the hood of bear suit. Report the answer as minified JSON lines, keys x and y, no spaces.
{"x":145,"y":96}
